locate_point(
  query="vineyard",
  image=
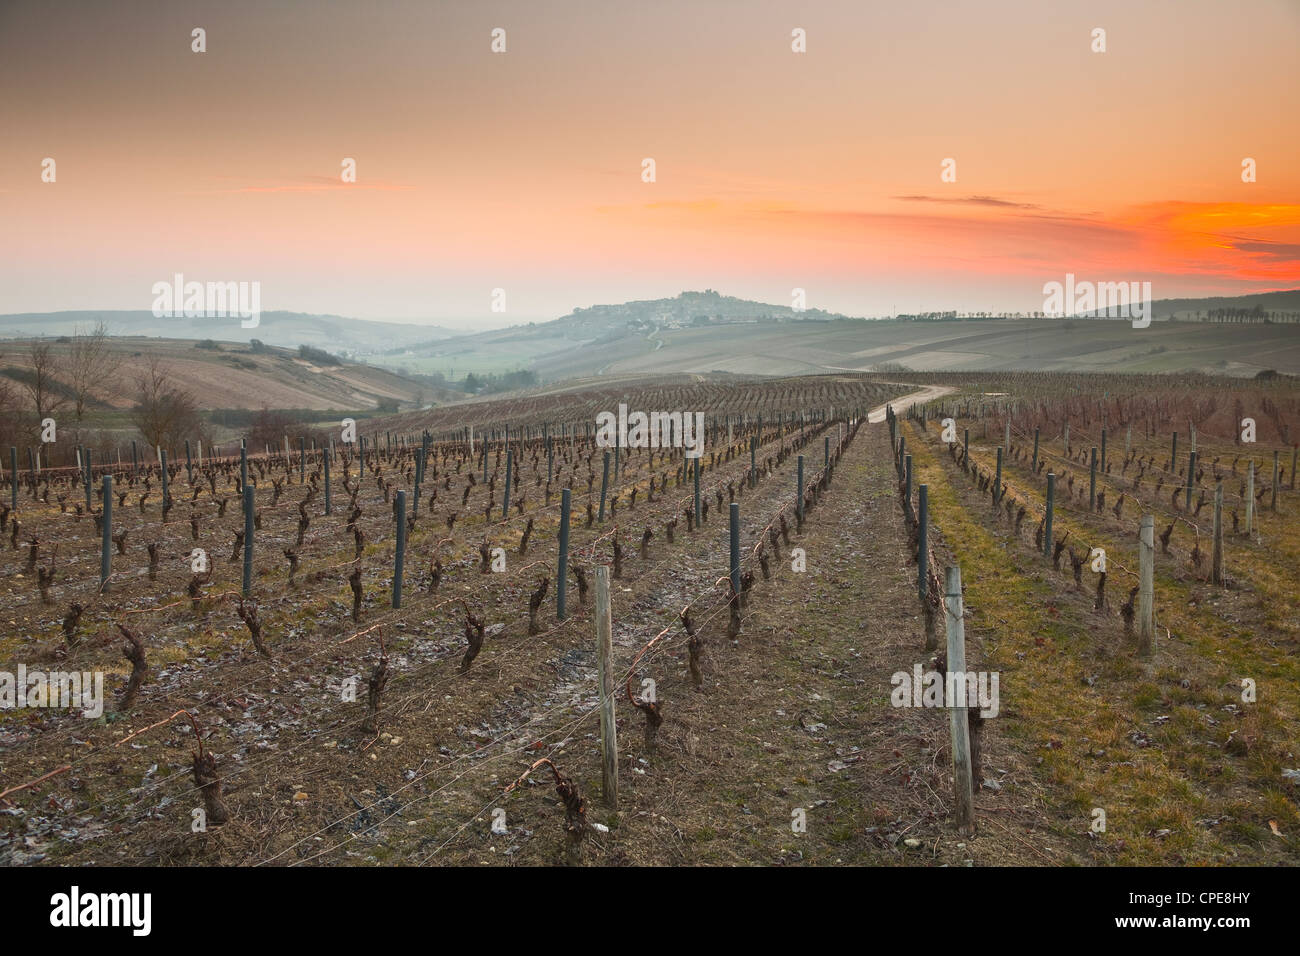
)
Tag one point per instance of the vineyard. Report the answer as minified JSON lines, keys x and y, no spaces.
{"x":1158,"y":685}
{"x":475,"y":635}
{"x":294,"y":654}
{"x":728,"y":395}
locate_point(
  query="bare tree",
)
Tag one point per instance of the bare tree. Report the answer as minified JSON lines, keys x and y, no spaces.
{"x":91,"y":361}
{"x":164,"y":412}
{"x":41,"y":381}
{"x":9,"y":411}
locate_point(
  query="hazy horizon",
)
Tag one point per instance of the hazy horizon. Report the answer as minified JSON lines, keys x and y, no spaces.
{"x":477,"y":324}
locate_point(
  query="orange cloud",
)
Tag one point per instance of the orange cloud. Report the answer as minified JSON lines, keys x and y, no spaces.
{"x":1237,"y":240}
{"x":990,"y":236}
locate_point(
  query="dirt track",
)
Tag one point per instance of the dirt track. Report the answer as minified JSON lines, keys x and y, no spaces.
{"x":904,"y":402}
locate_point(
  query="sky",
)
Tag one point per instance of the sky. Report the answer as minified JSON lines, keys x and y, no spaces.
{"x":522,"y":170}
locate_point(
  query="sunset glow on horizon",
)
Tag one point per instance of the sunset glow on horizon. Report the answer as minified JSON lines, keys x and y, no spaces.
{"x":523,"y":170}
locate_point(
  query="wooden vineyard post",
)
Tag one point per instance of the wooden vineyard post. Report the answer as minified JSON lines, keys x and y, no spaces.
{"x":1092,"y":481}
{"x":605,"y":673}
{"x":963,"y":777}
{"x":505,"y":497}
{"x":1273,"y":505}
{"x":399,"y":558}
{"x":907,"y":485}
{"x":419,"y":480}
{"x":965,"y":449}
{"x":753,"y":452}
{"x":89,"y":479}
{"x":922,"y":539}
{"x":798,"y":501}
{"x":1051,"y":508}
{"x":247,"y":582}
{"x":1067,"y":438}
{"x":734,"y":538}
{"x":604,"y":483}
{"x":13,"y":478}
{"x":302,"y":461}
{"x":1006,"y":438}
{"x":325,"y":460}
{"x":562,"y":567}
{"x":1103,"y":451}
{"x":243,"y":466}
{"x":189,"y":462}
{"x":105,"y":549}
{"x":1217,"y":563}
{"x":1250,"y":497}
{"x":1191,"y":477}
{"x":1146,"y":585}
{"x":1128,"y":440}
{"x":997,"y":482}
{"x":697,"y":491}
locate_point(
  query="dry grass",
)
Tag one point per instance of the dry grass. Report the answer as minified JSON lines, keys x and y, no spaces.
{"x":1186,"y":772}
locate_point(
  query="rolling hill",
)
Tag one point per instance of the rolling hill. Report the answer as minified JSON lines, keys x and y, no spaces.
{"x":702,"y":332}
{"x":237,"y":376}
{"x":705,"y":332}
{"x":337,"y":334}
